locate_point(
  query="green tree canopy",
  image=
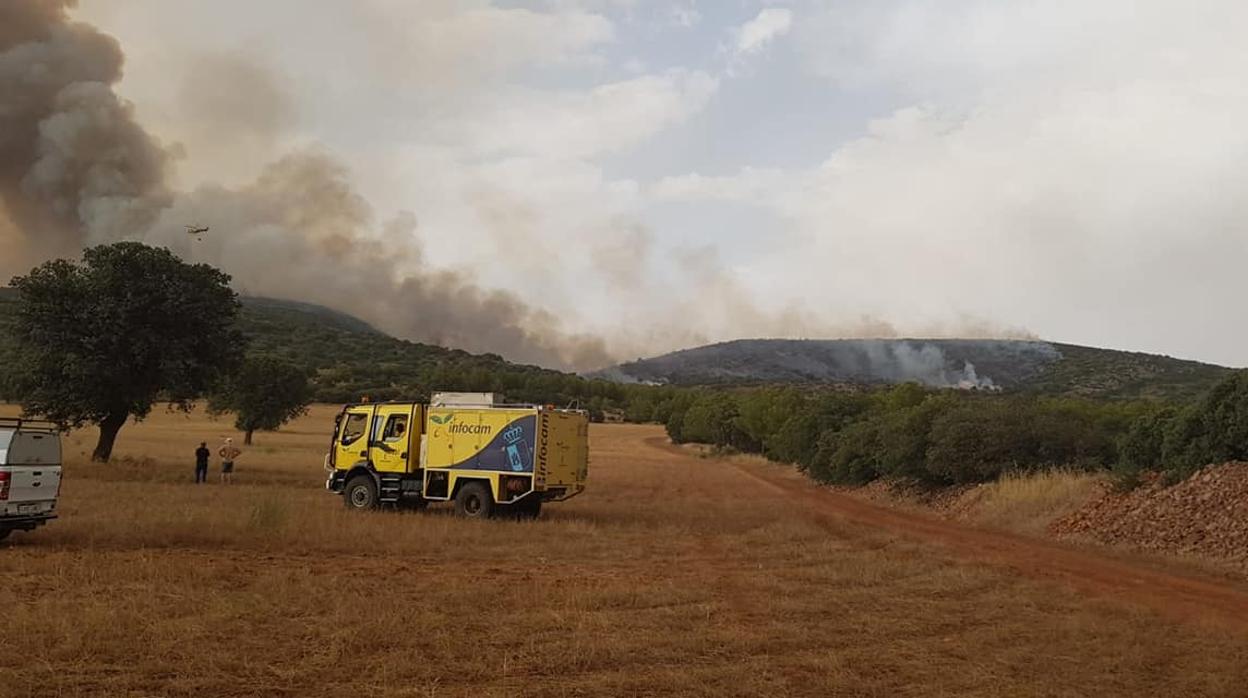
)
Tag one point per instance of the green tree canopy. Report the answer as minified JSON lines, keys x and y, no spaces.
{"x":103,"y":340}
{"x":264,"y":394}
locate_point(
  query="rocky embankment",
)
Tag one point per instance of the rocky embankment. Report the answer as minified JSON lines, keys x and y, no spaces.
{"x":1204,"y":516}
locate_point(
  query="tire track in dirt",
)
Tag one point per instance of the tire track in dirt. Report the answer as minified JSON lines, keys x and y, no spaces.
{"x":1180,"y":596}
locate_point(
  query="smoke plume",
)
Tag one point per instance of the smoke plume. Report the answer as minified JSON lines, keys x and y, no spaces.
{"x":898,"y":362}
{"x":301,"y":230}
{"x":77,"y":169}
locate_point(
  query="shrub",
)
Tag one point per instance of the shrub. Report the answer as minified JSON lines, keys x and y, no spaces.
{"x":849,"y":456}
{"x":1142,"y":446}
{"x":1223,"y":416}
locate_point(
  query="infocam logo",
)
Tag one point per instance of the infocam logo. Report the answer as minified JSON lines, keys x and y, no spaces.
{"x":471,"y":429}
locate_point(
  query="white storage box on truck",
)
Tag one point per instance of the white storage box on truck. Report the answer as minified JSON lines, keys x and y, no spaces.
{"x":30,"y":474}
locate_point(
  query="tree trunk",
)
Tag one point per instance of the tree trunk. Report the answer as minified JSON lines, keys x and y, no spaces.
{"x":247,"y":437}
{"x":108,"y":436}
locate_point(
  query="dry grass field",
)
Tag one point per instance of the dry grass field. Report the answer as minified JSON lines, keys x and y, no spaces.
{"x":671,"y":575}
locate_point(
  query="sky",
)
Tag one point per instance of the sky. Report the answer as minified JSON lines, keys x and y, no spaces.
{"x":665,"y":174}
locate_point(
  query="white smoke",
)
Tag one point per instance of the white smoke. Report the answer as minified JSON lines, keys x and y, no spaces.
{"x":903,"y":361}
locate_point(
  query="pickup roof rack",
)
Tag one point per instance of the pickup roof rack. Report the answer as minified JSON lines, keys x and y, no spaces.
{"x":28,"y":424}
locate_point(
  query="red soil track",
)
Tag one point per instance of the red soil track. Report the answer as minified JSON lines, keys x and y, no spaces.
{"x":1186,"y":596}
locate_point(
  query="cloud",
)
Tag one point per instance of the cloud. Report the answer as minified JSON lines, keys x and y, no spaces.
{"x":576,"y":124}
{"x":749,"y":185}
{"x":966,"y":48}
{"x":685,"y":14}
{"x":757,"y":34}
{"x":1048,"y":164}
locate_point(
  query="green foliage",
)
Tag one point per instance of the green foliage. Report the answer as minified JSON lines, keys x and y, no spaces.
{"x":264,"y":394}
{"x":103,"y":340}
{"x":763,"y":413}
{"x":905,"y":437}
{"x":976,"y":442}
{"x":907,"y":431}
{"x":1143,"y":444}
{"x":1181,"y":441}
{"x":849,"y":456}
{"x":1223,"y":417}
{"x":8,"y":369}
{"x":714,"y":418}
{"x":1102,"y":373}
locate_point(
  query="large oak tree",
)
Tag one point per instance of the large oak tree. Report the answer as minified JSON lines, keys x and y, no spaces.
{"x":131,"y":325}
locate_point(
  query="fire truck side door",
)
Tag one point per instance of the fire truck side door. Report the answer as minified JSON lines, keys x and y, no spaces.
{"x":391,"y":439}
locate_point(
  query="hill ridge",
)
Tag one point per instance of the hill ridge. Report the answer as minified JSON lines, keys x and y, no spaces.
{"x":997,"y":364}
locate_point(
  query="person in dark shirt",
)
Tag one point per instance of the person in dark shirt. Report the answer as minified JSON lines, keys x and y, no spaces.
{"x":201,"y":462}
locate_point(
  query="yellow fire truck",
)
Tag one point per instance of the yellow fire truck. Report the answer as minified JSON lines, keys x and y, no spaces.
{"x":462,"y":447}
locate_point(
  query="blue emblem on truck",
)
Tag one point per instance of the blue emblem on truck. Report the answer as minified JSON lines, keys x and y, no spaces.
{"x":517,"y":449}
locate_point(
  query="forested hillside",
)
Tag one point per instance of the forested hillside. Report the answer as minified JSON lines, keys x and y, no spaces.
{"x":1010,"y":365}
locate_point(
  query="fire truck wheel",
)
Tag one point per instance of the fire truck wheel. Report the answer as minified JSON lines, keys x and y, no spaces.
{"x":360,"y":493}
{"x":474,"y":501}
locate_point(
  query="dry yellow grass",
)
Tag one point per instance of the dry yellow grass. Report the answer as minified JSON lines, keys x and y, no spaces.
{"x":1029,"y":502}
{"x":672,"y":575}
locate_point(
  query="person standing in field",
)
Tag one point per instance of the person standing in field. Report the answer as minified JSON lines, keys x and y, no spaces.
{"x":201,"y":462}
{"x":228,"y":453}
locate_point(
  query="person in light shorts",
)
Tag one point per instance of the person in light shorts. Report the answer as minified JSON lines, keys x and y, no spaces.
{"x":228,"y":452}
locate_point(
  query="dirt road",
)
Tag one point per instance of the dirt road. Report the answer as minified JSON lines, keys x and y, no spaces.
{"x":1183,"y":596}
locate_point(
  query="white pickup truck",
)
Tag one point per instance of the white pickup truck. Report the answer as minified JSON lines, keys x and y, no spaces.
{"x":30,"y":474}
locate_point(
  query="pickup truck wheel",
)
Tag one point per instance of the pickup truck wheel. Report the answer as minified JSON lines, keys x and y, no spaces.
{"x":474,"y":501}
{"x":360,"y":493}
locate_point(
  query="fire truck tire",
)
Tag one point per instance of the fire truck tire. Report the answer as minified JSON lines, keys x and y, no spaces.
{"x":360,"y":493}
{"x":474,"y":501}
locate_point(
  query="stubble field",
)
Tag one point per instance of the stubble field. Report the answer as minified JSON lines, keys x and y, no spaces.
{"x":671,"y":575}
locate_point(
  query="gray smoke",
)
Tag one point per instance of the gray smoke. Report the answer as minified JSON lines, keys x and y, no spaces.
{"x":77,"y":169}
{"x":300,"y":230}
